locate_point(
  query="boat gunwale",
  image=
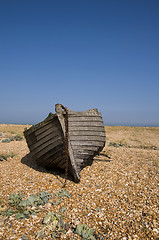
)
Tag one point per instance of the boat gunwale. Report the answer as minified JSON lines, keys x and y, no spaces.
{"x":39,"y":125}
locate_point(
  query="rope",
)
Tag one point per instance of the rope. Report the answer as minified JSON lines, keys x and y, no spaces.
{"x":66,"y":143}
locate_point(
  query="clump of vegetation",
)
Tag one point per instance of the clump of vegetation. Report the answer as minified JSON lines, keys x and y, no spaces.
{"x":6,"y":156}
{"x":63,"y":193}
{"x":53,"y":223}
{"x":15,"y":199}
{"x":14,"y":138}
{"x":34,"y":200}
{"x":6,"y":140}
{"x":24,"y":237}
{"x":3,"y":157}
{"x":54,"y":226}
{"x":114,"y":144}
{"x":58,"y":196}
{"x":84,"y":231}
{"x":150,"y":147}
{"x":22,"y":207}
{"x":123,"y":144}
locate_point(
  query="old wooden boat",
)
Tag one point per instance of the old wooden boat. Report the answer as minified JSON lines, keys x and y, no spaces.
{"x":85,"y":139}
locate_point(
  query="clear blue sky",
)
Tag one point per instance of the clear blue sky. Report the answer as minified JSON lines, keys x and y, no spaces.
{"x":83,"y":54}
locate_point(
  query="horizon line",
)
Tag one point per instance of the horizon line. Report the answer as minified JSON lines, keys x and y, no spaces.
{"x":105,"y":124}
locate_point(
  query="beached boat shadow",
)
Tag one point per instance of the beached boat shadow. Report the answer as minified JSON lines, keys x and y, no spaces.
{"x":58,"y":173}
{"x":102,"y":160}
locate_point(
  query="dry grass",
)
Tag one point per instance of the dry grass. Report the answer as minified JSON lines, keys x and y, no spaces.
{"x":117,"y":196}
{"x":10,"y":129}
{"x":139,"y":137}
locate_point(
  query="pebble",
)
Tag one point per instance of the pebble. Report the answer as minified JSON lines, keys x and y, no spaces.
{"x":47,"y":205}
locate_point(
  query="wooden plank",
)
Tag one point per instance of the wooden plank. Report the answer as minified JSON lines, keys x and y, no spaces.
{"x":83,"y":151}
{"x":40,"y":130}
{"x":43,"y":129}
{"x":80,"y":147}
{"x":31,"y":139}
{"x":53,"y":153}
{"x":52,"y":129}
{"x":82,"y":156}
{"x":85,"y":119}
{"x":44,"y":150}
{"x":79,"y":161}
{"x":62,"y":164}
{"x":87,"y":138}
{"x":46,"y":127}
{"x":48,"y":148}
{"x":41,"y":142}
{"x":52,"y":160}
{"x":85,"y":124}
{"x":86,"y":128}
{"x":44,"y":140}
{"x":40,"y":125}
{"x":78,"y":152}
{"x":86,"y":133}
{"x":43,"y":134}
{"x":87,"y":143}
{"x":91,"y":112}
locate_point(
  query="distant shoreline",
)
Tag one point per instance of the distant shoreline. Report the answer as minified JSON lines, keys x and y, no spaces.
{"x":132,"y":125}
{"x":105,"y":124}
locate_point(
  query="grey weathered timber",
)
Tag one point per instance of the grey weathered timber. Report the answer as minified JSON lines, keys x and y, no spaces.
{"x":46,"y":140}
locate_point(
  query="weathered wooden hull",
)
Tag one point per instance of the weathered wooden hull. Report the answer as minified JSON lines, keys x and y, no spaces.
{"x":46,"y":140}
